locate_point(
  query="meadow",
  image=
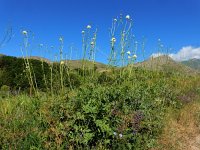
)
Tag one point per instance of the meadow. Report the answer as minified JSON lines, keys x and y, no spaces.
{"x":83,"y":104}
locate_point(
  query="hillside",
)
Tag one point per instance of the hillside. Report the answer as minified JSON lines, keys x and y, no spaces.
{"x":2,"y":55}
{"x":193,"y":63}
{"x":167,"y":64}
{"x":74,"y":64}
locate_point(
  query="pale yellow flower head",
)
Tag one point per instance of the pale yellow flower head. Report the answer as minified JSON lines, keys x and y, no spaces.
{"x":24,"y":32}
{"x":134,"y":56}
{"x":89,"y":27}
{"x":92,"y":43}
{"x":113,"y":40}
{"x":62,"y":62}
{"x":128,"y":52}
{"x":128,"y":17}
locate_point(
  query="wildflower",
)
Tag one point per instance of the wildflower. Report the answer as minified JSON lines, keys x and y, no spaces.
{"x":128,"y":17}
{"x":129,"y":57}
{"x":120,"y":135}
{"x":83,"y":32}
{"x":62,"y":62}
{"x":128,"y":52}
{"x":89,"y":27}
{"x":61,"y":39}
{"x":135,"y":56}
{"x":113,"y":40}
{"x":115,"y":20}
{"x":92,"y":43}
{"x":24,"y":32}
{"x":114,"y":133}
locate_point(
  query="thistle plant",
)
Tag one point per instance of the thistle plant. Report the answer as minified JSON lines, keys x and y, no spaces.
{"x":51,"y":72}
{"x":112,"y":57}
{"x":84,"y":48}
{"x":92,"y":51}
{"x":93,"y":47}
{"x":125,"y":35}
{"x":51,"y":77}
{"x":88,"y":46}
{"x":121,"y":29}
{"x":42,"y":64}
{"x":66,"y":68}
{"x":160,"y":49}
{"x":61,"y":62}
{"x":131,"y":60}
{"x":30,"y":74}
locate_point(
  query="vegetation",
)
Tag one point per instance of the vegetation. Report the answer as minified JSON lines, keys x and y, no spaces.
{"x":87,"y":105}
{"x":105,"y":112}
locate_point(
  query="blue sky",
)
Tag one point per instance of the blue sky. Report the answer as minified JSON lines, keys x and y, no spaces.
{"x":175,"y":22}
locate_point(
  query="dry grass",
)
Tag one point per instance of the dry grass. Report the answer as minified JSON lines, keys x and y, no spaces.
{"x":182,"y":131}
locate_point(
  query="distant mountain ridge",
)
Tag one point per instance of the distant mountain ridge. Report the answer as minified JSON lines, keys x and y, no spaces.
{"x":193,"y":63}
{"x":167,"y":64}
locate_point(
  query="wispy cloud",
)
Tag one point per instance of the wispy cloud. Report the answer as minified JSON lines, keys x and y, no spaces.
{"x":185,"y":53}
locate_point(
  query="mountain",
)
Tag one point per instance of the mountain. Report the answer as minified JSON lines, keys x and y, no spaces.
{"x":166,"y":64}
{"x":193,"y":63}
{"x":39,"y":58}
{"x":74,"y":64}
{"x":2,"y":55}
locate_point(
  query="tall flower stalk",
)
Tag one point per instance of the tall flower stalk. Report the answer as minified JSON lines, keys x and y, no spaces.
{"x":43,"y":71}
{"x":88,"y":43}
{"x":112,"y":57}
{"x":30,"y":75}
{"x":92,"y":52}
{"x":125,"y":37}
{"x":61,"y":62}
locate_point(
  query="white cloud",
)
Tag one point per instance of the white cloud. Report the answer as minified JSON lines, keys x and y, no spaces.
{"x":185,"y":53}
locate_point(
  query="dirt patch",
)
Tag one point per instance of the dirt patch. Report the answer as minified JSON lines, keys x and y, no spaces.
{"x":182,"y":131}
{"x":195,"y":144}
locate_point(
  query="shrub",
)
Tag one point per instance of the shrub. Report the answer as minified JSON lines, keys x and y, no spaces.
{"x":4,"y":91}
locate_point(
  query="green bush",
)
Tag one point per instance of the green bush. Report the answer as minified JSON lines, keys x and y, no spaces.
{"x":14,"y":74}
{"x":4,"y":91}
{"x":5,"y":88}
